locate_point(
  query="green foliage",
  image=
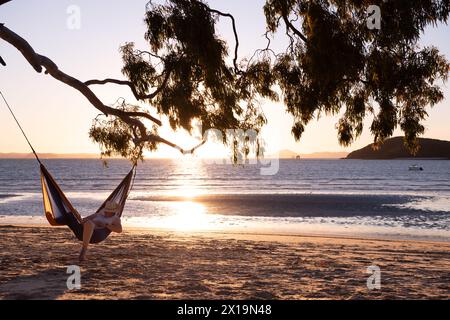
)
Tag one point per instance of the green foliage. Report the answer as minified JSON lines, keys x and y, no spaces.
{"x":188,"y":61}
{"x":334,"y":64}
{"x":345,"y":65}
{"x":116,"y":138}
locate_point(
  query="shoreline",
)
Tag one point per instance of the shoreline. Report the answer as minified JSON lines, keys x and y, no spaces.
{"x":254,"y":235}
{"x":242,"y":232}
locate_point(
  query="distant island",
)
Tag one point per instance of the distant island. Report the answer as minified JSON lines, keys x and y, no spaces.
{"x":395,"y":149}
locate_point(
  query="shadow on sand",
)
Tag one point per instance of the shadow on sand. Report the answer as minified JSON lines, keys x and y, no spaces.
{"x":46,"y":285}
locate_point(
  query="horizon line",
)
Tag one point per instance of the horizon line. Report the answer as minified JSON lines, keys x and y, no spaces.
{"x":97,"y":156}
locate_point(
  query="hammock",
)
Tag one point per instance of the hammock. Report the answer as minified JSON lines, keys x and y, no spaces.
{"x":60,"y":212}
{"x":58,"y":209}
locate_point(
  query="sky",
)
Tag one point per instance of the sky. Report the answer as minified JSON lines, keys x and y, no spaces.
{"x":57,"y":118}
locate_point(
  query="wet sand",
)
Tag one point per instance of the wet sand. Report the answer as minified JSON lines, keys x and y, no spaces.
{"x":149,"y":264}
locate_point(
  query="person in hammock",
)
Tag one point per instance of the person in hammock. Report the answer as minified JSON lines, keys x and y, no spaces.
{"x":106,"y":218}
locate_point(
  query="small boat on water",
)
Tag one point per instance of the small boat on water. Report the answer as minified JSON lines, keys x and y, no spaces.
{"x":415,"y":167}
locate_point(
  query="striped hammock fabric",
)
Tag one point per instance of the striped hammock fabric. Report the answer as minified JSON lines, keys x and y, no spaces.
{"x":60,"y":212}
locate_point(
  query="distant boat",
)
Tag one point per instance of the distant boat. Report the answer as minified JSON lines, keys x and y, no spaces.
{"x":415,"y":167}
{"x":298,"y":157}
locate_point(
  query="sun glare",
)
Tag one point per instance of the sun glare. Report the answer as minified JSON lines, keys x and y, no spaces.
{"x":188,"y":216}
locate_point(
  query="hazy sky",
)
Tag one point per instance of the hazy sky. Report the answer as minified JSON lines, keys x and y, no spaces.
{"x":57,"y":118}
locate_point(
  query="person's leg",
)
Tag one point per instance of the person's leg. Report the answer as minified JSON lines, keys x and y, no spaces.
{"x":88,"y":230}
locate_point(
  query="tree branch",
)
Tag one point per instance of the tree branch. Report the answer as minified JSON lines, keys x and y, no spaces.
{"x":132,"y":87}
{"x":39,"y":62}
{"x":136,"y":95}
{"x":152,"y":138}
{"x":290,"y":26}
{"x":21,"y":45}
{"x":236,"y":36}
{"x":114,"y":81}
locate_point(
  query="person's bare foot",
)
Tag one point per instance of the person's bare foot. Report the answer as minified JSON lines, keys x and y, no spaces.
{"x":82,"y":256}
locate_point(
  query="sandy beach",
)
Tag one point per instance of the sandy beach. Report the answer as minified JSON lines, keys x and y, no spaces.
{"x":149,"y":264}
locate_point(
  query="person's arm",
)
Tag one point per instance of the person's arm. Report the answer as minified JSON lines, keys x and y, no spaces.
{"x":116,"y":225}
{"x":92,"y":216}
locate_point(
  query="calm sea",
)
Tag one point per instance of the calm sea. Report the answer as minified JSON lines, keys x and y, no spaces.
{"x":328,"y":197}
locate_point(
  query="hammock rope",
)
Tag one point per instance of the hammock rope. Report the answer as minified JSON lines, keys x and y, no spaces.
{"x":20,"y":127}
{"x":58,"y":209}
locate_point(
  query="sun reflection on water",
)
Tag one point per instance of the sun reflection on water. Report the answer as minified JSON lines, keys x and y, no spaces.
{"x":189,"y":175}
{"x":188,"y":216}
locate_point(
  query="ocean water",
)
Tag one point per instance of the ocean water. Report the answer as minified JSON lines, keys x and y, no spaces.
{"x":357,"y":198}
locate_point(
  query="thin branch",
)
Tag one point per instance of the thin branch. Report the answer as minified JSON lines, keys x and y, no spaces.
{"x":144,"y":115}
{"x":290,"y":47}
{"x":132,"y":87}
{"x":293,"y":29}
{"x":196,"y":147}
{"x":260,"y":51}
{"x":155,"y":138}
{"x":142,"y":52}
{"x":114,"y":81}
{"x":236,"y":36}
{"x":266,"y":35}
